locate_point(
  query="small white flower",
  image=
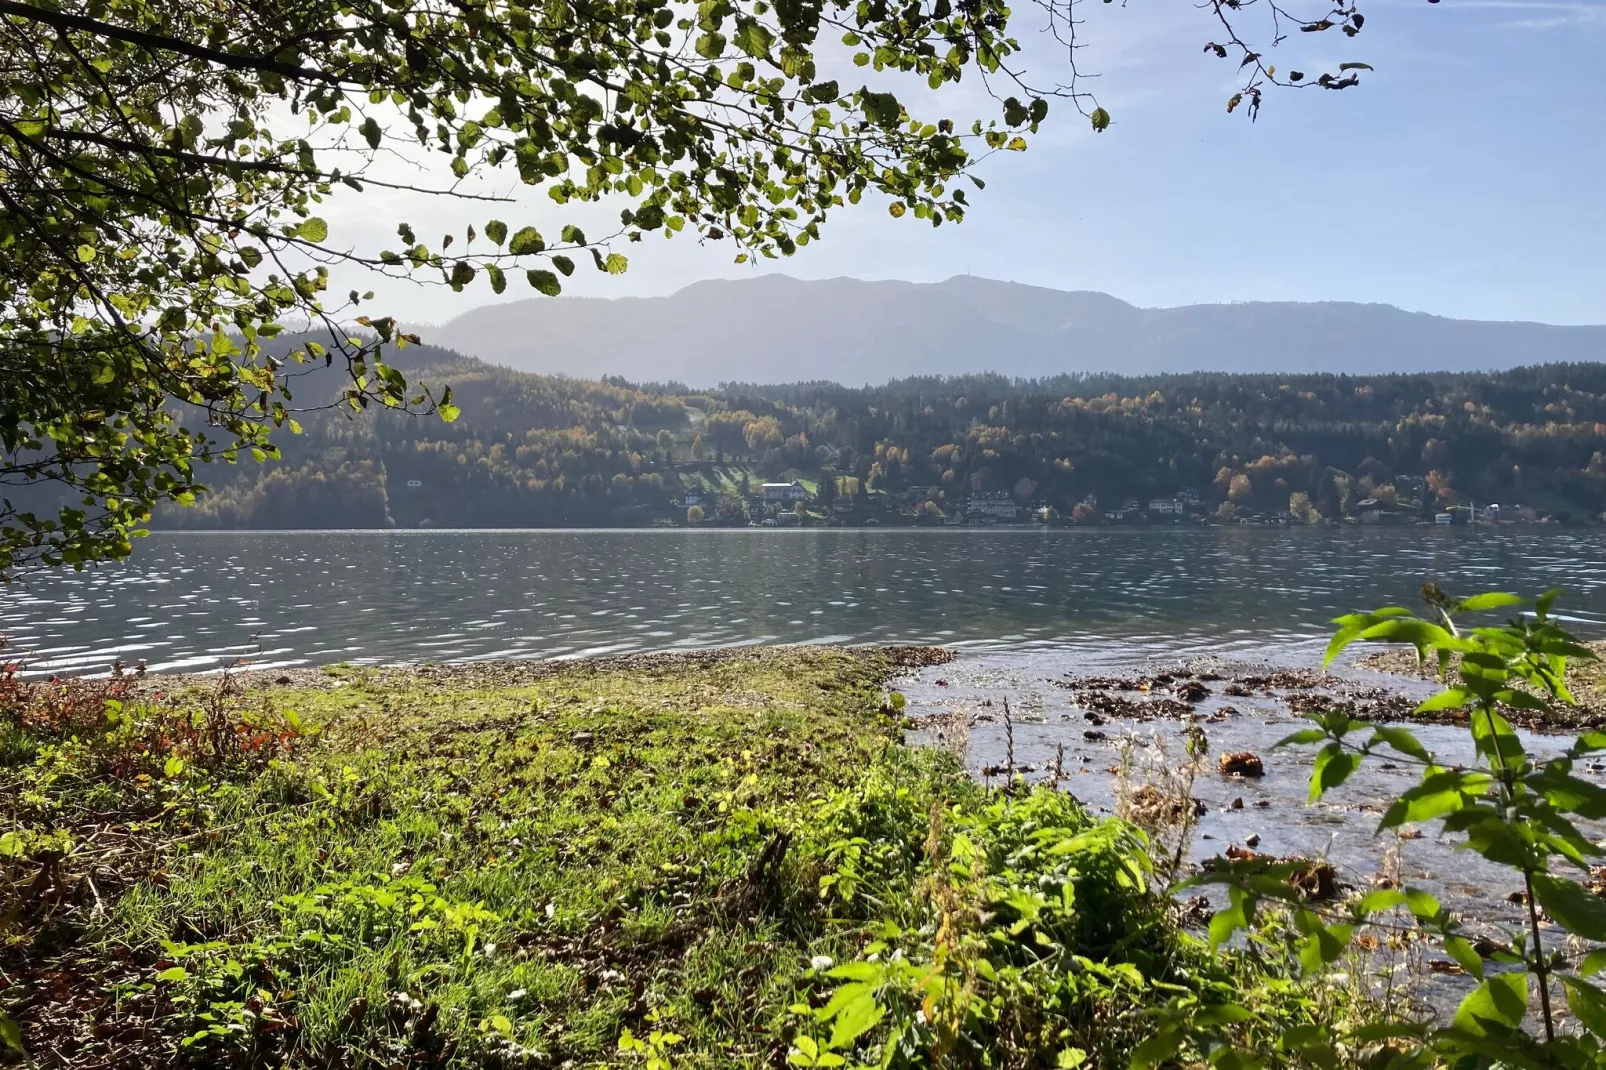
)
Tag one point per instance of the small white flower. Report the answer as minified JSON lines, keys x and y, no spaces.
{"x":516,"y":995}
{"x":820,"y":962}
{"x":610,"y":976}
{"x":551,"y":910}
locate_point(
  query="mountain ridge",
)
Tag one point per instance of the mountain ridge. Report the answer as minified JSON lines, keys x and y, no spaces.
{"x":774,"y":328}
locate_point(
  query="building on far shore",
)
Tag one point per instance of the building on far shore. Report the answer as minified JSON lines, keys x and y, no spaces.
{"x":786,"y":492}
{"x":991,"y":507}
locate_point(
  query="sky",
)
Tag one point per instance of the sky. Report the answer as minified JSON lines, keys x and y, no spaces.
{"x":1465,"y":176}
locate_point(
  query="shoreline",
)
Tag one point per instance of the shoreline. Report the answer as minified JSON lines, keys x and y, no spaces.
{"x":1161,"y":693}
{"x":505,"y":672}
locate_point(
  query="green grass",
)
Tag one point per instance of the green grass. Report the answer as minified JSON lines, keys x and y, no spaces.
{"x":604,"y":862}
{"x":723,"y":479}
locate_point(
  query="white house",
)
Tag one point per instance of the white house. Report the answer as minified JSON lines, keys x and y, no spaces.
{"x":1165,"y":506}
{"x":786,"y":492}
{"x":998,"y":505}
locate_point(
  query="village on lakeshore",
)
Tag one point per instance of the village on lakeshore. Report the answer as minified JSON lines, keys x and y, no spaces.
{"x":845,"y":502}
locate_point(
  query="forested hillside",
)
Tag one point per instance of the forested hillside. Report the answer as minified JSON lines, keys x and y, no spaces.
{"x":533,"y":450}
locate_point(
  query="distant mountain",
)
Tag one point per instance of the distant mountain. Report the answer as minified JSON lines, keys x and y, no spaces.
{"x":772,"y":328}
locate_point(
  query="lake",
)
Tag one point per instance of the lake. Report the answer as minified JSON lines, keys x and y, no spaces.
{"x":195,"y":601}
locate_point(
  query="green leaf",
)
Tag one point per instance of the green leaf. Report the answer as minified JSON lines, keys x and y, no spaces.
{"x":86,"y":254}
{"x":527,"y":240}
{"x":1451,"y":699}
{"x":1491,"y":836}
{"x":1333,"y":766}
{"x":563,"y":264}
{"x":1236,"y":915}
{"x":11,"y":1034}
{"x":1468,"y":959}
{"x":1381,"y":899}
{"x":1573,"y":907}
{"x":1438,"y":794}
{"x":1587,"y":1003}
{"x":1588,"y":742}
{"x":173,"y":767}
{"x":1418,"y":633}
{"x":1495,"y":738}
{"x":753,"y":38}
{"x":544,"y":281}
{"x":1498,"y":1005}
{"x":1304,"y":735}
{"x":496,"y":230}
{"x":445,"y":409}
{"x":1157,"y":1049}
{"x":857,"y":1016}
{"x":1322,"y":947}
{"x":371,"y":132}
{"x":1423,"y":905}
{"x":1569,"y":794}
{"x":173,"y":974}
{"x":1100,"y":119}
{"x":313,"y":229}
{"x":1401,"y":740}
{"x":1478,"y":603}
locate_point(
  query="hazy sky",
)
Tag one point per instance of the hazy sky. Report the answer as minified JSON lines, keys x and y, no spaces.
{"x":1466,"y":176}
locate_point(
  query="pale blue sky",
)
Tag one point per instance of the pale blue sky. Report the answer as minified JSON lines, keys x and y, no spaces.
{"x":1466,"y":176}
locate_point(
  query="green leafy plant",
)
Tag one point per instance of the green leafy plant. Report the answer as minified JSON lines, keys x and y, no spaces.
{"x":1509,"y":807}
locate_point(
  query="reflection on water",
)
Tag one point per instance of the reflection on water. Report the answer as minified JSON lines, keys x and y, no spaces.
{"x":193,"y":601}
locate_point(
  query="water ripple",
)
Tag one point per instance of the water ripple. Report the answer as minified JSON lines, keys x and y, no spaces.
{"x":197,"y":601}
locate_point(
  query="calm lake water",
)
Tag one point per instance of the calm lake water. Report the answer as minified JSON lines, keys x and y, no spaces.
{"x":193,"y":601}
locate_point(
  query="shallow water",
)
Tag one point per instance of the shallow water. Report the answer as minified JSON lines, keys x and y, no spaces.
{"x":195,"y":601}
{"x":1341,"y":828}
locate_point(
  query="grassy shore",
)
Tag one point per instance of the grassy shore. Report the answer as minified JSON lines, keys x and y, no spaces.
{"x":709,"y":860}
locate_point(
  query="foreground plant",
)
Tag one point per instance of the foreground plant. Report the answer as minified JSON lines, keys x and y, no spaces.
{"x":1512,"y":809}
